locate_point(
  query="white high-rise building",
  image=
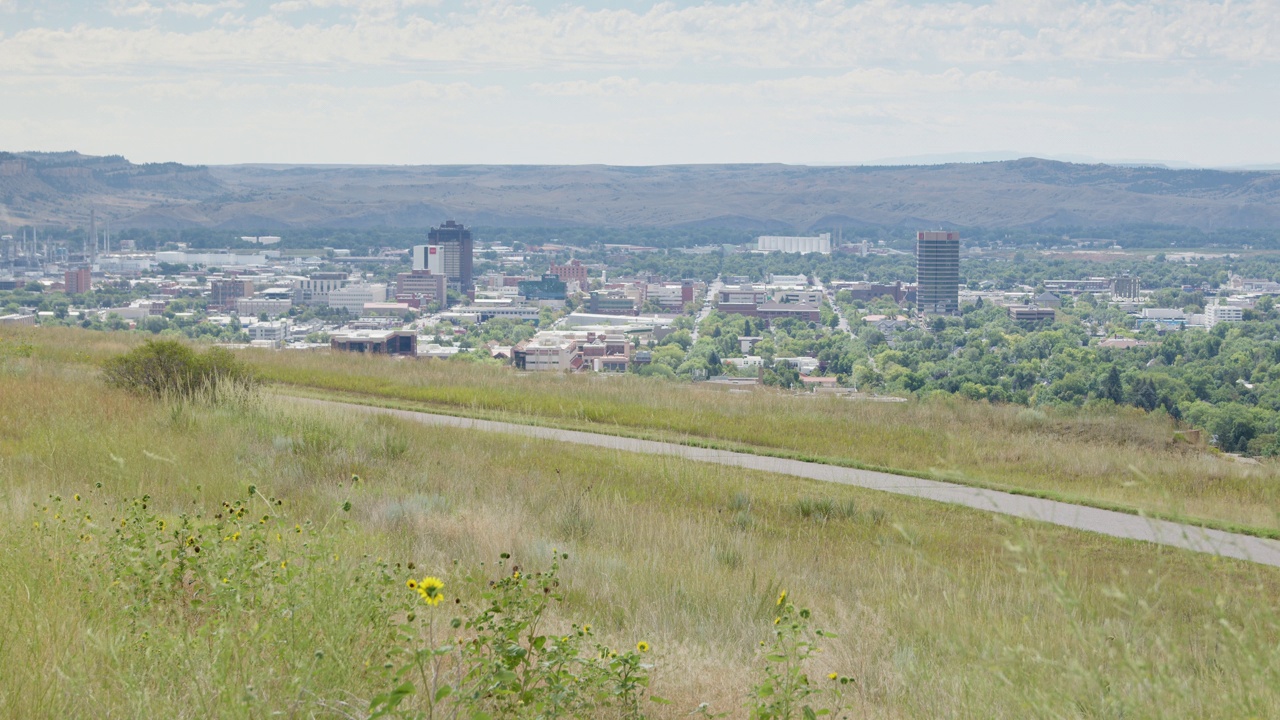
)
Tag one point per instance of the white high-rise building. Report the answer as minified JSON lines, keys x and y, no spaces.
{"x":432,"y":257}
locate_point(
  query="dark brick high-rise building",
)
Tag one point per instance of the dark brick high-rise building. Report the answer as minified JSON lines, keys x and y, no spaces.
{"x":454,"y":241}
{"x":938,"y":272}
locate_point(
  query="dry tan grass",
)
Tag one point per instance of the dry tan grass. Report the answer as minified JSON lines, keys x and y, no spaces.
{"x":940,"y":611}
{"x":1124,"y":457}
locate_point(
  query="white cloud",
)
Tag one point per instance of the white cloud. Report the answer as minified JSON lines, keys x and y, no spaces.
{"x":748,"y":34}
{"x":766,"y":80}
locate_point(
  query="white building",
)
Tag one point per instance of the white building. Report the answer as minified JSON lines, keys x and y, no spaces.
{"x":227,"y":259}
{"x":434,"y":350}
{"x":272,"y":332}
{"x":808,"y":297}
{"x":750,"y":361}
{"x":550,"y":353}
{"x":1214,"y":314}
{"x":315,"y":290}
{"x":789,"y":281}
{"x":667,"y":294}
{"x":429,"y":257}
{"x":789,"y":244}
{"x":259,"y":305}
{"x":352,"y":298}
{"x":806,"y":365}
{"x":124,"y":263}
{"x":489,"y":311}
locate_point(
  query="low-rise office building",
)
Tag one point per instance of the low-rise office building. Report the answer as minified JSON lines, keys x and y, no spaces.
{"x":547,"y":353}
{"x":272,"y":332}
{"x":1031,"y":313}
{"x":379,"y":342}
{"x":257,"y":305}
{"x":352,"y":298}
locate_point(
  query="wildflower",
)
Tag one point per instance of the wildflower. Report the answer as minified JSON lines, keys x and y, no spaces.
{"x":77,"y":497}
{"x":284,"y":564}
{"x":642,"y":646}
{"x":411,"y":584}
{"x":431,"y":589}
{"x":832,"y":676}
{"x":297,"y":528}
{"x":777,"y":620}
{"x":191,"y":540}
{"x":782,"y":597}
{"x":586,"y":628}
{"x":236,"y":535}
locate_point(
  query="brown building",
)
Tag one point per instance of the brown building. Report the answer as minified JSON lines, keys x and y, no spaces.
{"x":78,"y":281}
{"x":223,"y":293}
{"x":420,"y":288}
{"x":455,"y":242}
{"x":1030,"y":313}
{"x":800,"y":311}
{"x":574,"y":270}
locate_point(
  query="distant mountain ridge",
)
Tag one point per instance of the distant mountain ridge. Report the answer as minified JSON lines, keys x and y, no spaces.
{"x":60,"y":188}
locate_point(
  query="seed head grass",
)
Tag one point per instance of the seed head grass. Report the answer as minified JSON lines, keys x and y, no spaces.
{"x":937,"y":610}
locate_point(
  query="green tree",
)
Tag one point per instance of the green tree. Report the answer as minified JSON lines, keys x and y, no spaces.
{"x":1112,"y":388}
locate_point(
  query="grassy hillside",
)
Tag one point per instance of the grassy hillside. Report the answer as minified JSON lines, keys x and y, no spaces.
{"x":939,"y":611}
{"x":1124,"y":459}
{"x":1127,"y":457}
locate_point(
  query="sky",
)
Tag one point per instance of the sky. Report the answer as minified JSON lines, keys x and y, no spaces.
{"x":630,"y":82}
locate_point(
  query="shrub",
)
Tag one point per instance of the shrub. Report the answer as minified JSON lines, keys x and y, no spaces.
{"x":167,"y":368}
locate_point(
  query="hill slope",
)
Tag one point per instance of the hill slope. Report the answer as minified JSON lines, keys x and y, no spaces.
{"x":59,"y":188}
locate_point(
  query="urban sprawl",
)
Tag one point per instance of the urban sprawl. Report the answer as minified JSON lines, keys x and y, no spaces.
{"x":915,"y":325}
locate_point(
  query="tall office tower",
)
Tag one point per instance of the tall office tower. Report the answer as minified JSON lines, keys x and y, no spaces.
{"x":454,"y":242}
{"x":938,"y":272}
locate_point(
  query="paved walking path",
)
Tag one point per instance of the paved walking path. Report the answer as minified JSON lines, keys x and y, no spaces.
{"x":1106,"y":522}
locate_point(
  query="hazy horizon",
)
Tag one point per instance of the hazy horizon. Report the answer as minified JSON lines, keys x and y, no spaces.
{"x":631,"y":83}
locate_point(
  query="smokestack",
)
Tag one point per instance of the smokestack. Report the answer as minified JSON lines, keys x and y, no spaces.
{"x":93,"y":233}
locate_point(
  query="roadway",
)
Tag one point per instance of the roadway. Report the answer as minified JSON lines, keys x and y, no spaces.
{"x":1105,"y":522}
{"x":713,"y":291}
{"x":843,"y":324}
